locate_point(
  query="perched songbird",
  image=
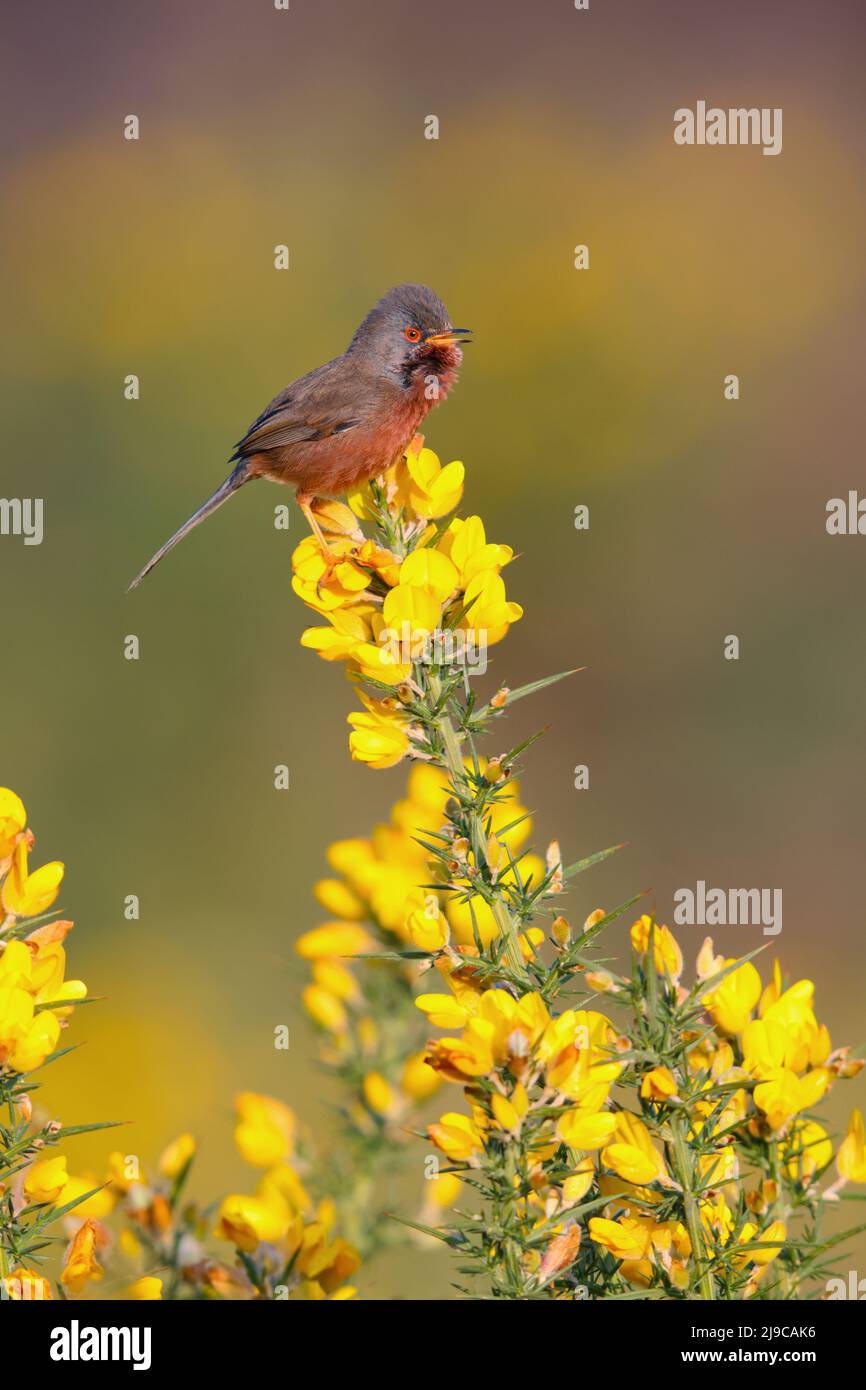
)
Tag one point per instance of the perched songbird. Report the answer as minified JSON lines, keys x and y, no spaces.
{"x":349,"y":420}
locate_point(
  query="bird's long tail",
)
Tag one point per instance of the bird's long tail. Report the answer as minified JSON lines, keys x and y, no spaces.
{"x":236,"y":479}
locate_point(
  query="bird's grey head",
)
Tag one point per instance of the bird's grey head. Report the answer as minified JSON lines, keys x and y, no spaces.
{"x":409,"y":334}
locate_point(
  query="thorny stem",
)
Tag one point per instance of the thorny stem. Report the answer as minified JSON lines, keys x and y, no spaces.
{"x":454,"y":763}
{"x":683,"y":1173}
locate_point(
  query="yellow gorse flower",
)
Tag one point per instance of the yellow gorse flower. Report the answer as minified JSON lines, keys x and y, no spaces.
{"x":667,"y":956}
{"x":26,"y":894}
{"x":177,"y":1155}
{"x":13,"y":819}
{"x":731,"y":1002}
{"x":265,"y":1131}
{"x":81,"y":1265}
{"x":46,"y":1179}
{"x":851,"y":1158}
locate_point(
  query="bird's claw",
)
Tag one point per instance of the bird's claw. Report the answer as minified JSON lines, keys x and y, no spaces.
{"x":330,"y":561}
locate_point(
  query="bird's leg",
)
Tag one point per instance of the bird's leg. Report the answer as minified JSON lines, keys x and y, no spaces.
{"x":305,"y":501}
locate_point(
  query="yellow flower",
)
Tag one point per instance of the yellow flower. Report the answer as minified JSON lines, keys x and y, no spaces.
{"x":418,"y":1080}
{"x":326,"y":1263}
{"x":338,"y":899}
{"x":324,"y":589}
{"x":489,"y":614}
{"x":783,"y":1094}
{"x":444,"y":1190}
{"x":378,"y":1093}
{"x":146,"y":1290}
{"x":469,"y":1055}
{"x":325,"y":1009}
{"x":790,"y":1011}
{"x":631,"y":1163}
{"x":350,"y":628}
{"x":379,"y":736}
{"x":667,"y":956}
{"x":446,"y":1011}
{"x":47,"y":983}
{"x":410,"y":614}
{"x":337,"y":980}
{"x":16,"y":1017}
{"x":119,"y":1173}
{"x":765,"y":1046}
{"x":383,"y":562}
{"x":430,"y":571}
{"x":731,"y":1003}
{"x":25,"y":894}
{"x":176,"y":1156}
{"x":851,"y":1158}
{"x":265,"y":1132}
{"x":456,"y":1135}
{"x":97,"y":1206}
{"x":806,"y":1150}
{"x":334,"y":939}
{"x":13,"y":819}
{"x":46,"y":1179}
{"x":530,"y":940}
{"x":425,"y":925}
{"x":632,"y":1155}
{"x":659,"y":1084}
{"x":627,"y":1239}
{"x":465,"y":544}
{"x":382,"y":660}
{"x":16,"y":966}
{"x":576,"y":1050}
{"x":578,"y":1183}
{"x":424,"y":487}
{"x":775,"y":1231}
{"x":335,"y":518}
{"x":80,"y":1264}
{"x":509,"y":1112}
{"x":585,"y":1129}
{"x":282,"y":1189}
{"x":247,"y":1221}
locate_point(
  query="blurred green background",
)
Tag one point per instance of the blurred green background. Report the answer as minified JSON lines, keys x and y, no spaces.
{"x":601,"y":387}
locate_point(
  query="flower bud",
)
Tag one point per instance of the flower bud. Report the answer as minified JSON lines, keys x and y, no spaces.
{"x":561,"y":931}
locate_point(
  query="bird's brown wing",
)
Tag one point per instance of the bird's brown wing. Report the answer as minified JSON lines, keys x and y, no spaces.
{"x":303,"y":412}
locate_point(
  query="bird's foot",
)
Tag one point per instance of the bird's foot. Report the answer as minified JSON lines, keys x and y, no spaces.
{"x":330,"y":562}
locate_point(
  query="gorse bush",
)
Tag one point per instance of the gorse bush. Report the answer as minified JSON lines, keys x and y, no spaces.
{"x":36,"y":1002}
{"x":633,"y":1133}
{"x":127,"y":1233}
{"x":643,"y":1132}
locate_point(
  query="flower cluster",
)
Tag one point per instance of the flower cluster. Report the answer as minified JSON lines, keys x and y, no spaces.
{"x":673,"y":1154}
{"x":285,"y":1246}
{"x":36,"y":1001}
{"x":417,"y":593}
{"x":139,"y":1236}
{"x":35,"y":997}
{"x":372,"y":1036}
{"x":662,"y":1144}
{"x":126,"y":1234}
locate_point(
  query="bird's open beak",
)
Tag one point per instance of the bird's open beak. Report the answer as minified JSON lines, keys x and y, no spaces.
{"x":446,"y":339}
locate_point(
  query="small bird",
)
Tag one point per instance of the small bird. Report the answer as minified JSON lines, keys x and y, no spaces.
{"x":350,"y":420}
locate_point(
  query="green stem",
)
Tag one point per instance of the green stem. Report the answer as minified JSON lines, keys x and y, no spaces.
{"x":684,"y":1175}
{"x":454,"y":763}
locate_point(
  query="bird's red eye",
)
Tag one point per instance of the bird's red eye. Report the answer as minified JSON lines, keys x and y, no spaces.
{"x":412,"y":335}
